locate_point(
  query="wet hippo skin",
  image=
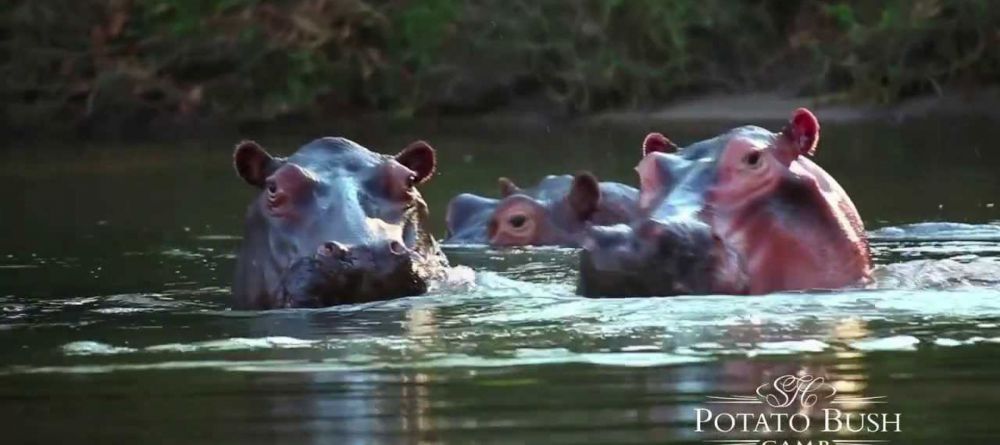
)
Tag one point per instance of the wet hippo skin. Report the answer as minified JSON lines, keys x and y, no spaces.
{"x":334,"y":223}
{"x":745,"y":212}
{"x":556,"y":212}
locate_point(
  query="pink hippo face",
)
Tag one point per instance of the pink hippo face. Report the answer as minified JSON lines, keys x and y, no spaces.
{"x":742,"y":213}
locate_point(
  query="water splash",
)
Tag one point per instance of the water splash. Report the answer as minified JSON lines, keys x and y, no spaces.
{"x":937,"y":231}
{"x":525,"y":313}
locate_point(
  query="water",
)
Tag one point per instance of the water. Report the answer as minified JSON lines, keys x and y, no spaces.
{"x":114,"y":324}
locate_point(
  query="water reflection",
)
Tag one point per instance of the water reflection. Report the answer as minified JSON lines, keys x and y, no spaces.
{"x":536,"y":403}
{"x":114,"y":319}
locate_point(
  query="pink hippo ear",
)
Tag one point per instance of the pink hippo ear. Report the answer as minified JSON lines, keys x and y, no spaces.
{"x":507,"y":187}
{"x":584,"y":195}
{"x":418,"y":156}
{"x":803,"y":132}
{"x":253,"y":163}
{"x":657,"y":142}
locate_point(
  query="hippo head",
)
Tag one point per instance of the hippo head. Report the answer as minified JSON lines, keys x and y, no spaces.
{"x":334,"y":223}
{"x":555,"y":212}
{"x":744,"y":212}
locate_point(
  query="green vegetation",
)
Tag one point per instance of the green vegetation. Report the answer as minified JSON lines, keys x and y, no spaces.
{"x":129,"y":63}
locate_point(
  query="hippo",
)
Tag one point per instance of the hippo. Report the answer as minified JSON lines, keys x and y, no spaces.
{"x":745,"y":212}
{"x":556,"y":212}
{"x":334,"y":223}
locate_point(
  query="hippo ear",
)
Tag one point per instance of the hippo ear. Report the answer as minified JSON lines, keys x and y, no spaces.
{"x":584,"y":195}
{"x":507,"y":187}
{"x":253,"y":163}
{"x":803,"y":132}
{"x":657,"y":142}
{"x":418,"y":156}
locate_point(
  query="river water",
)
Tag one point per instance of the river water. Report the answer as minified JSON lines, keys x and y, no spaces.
{"x":116,"y":259}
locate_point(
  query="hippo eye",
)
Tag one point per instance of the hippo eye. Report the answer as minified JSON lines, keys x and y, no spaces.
{"x":752,"y":159}
{"x":272,"y":187}
{"x":518,"y":221}
{"x":411,"y":181}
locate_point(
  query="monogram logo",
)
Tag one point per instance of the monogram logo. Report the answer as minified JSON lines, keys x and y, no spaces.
{"x":801,"y":393}
{"x":788,"y":390}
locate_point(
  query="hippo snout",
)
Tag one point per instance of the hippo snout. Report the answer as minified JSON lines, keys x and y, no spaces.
{"x":610,"y":247}
{"x":651,"y":257}
{"x":364,"y":256}
{"x":341,"y":274}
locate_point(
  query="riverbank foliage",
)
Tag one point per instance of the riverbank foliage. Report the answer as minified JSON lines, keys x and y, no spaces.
{"x":125,"y":63}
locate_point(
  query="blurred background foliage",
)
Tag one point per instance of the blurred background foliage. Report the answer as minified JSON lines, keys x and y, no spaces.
{"x":133,"y":63}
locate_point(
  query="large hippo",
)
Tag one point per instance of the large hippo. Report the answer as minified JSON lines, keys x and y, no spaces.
{"x":742,"y":213}
{"x":556,"y":212}
{"x":334,"y":223}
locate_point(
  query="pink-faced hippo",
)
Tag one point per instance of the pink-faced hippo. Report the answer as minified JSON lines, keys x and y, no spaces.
{"x":556,"y":212}
{"x":742,"y":213}
{"x":332,"y":224}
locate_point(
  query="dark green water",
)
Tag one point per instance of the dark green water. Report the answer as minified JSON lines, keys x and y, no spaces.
{"x":115,"y":262}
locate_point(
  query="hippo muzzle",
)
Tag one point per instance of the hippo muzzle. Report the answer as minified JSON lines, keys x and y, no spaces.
{"x":340,"y":274}
{"x":651,"y":258}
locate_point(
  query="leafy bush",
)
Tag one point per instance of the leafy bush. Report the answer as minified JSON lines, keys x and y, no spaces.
{"x":130,"y":62}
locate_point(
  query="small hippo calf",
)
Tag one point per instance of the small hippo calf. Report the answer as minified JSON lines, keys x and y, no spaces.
{"x":555,"y":212}
{"x":334,"y":224}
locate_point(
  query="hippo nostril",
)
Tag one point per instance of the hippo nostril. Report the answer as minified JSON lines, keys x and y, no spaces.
{"x":397,"y":248}
{"x":634,"y":244}
{"x":518,"y":221}
{"x":608,"y":237}
{"x":332,"y":249}
{"x":651,"y":230}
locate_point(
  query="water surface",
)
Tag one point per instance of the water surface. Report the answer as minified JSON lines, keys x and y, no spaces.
{"x":115,"y":264}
